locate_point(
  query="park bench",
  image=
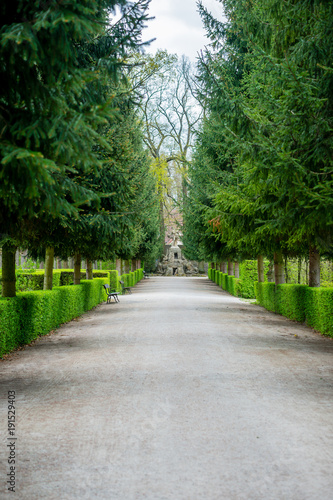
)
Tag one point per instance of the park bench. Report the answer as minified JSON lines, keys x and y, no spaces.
{"x":111,"y":294}
{"x":145,"y":275}
{"x":124,"y":288}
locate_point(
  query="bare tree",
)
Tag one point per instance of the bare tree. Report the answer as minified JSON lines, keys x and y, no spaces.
{"x":170,"y":115}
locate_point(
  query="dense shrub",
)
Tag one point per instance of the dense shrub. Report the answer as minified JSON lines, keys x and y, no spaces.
{"x":114,"y":281}
{"x":231,"y":284}
{"x":319,"y":309}
{"x":34,"y":280}
{"x":67,"y":276}
{"x":266,"y":295}
{"x":35,"y":313}
{"x":290,"y":301}
{"x":248,"y":274}
{"x":10,"y":327}
{"x":300,"y":303}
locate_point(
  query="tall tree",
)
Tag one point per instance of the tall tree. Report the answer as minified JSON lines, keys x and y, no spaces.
{"x":51,"y":101}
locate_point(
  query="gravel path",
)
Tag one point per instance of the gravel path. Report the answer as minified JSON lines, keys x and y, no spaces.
{"x":179,"y":392}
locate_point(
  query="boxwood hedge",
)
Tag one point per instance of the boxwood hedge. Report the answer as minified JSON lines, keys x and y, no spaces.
{"x":297,"y":302}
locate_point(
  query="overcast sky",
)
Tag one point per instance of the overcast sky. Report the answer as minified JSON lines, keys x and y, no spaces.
{"x":177,"y":26}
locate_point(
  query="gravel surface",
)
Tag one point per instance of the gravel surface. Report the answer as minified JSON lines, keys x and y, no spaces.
{"x":179,"y":392}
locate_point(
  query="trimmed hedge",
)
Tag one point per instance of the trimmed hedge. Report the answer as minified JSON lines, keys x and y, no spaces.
{"x":34,"y":280}
{"x":266,"y":295}
{"x":114,"y":281}
{"x":28,"y":281}
{"x":290,"y":301}
{"x":319,"y":309}
{"x":32,"y":314}
{"x":67,"y":276}
{"x":297,"y":302}
{"x":300,"y":303}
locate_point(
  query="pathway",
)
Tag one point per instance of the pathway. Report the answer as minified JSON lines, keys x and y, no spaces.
{"x":179,"y":392}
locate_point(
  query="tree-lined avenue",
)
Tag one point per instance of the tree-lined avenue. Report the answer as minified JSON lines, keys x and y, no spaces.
{"x":180,"y":391}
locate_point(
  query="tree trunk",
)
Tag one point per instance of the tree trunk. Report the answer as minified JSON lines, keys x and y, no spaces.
{"x":278,"y":268}
{"x":65,"y":264}
{"x":224,"y":267}
{"x":286,"y":270}
{"x":89,"y":270}
{"x":161,"y":217}
{"x":17,"y":258}
{"x":299,"y":270}
{"x":8,"y":270}
{"x":77,"y":268}
{"x":306,"y":271}
{"x":118,"y":266}
{"x":260,"y":265}
{"x":48,"y":274}
{"x":236,"y":269}
{"x":127,"y":266}
{"x":314,"y":267}
{"x":230,"y":267}
{"x":270,"y":273}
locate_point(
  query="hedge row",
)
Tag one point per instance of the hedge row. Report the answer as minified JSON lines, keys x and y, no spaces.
{"x":228,"y":283}
{"x":313,"y":306}
{"x":297,"y":302}
{"x":34,"y":313}
{"x":27,"y":281}
{"x":131,"y":278}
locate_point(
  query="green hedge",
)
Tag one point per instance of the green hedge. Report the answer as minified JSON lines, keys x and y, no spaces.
{"x":299,"y":302}
{"x":266,"y":295}
{"x":319,"y":309}
{"x":32,"y":314}
{"x":67,"y":276}
{"x":114,"y":281}
{"x":28,"y":281}
{"x":290,"y":301}
{"x":34,"y":280}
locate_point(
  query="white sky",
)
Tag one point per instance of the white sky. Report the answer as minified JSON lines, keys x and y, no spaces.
{"x":177,"y":26}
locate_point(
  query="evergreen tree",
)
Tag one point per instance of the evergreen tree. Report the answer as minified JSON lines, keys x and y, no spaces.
{"x":54,"y":62}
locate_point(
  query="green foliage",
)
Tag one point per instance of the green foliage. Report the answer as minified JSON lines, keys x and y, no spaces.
{"x":266,"y":295}
{"x":114,"y":281}
{"x":319,"y":309}
{"x":300,"y":303}
{"x":34,"y":280}
{"x":290,"y":301}
{"x":261,"y":178}
{"x":248,"y":273}
{"x":73,"y":168}
{"x":230,"y":284}
{"x":67,"y":276}
{"x":32,"y":314}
